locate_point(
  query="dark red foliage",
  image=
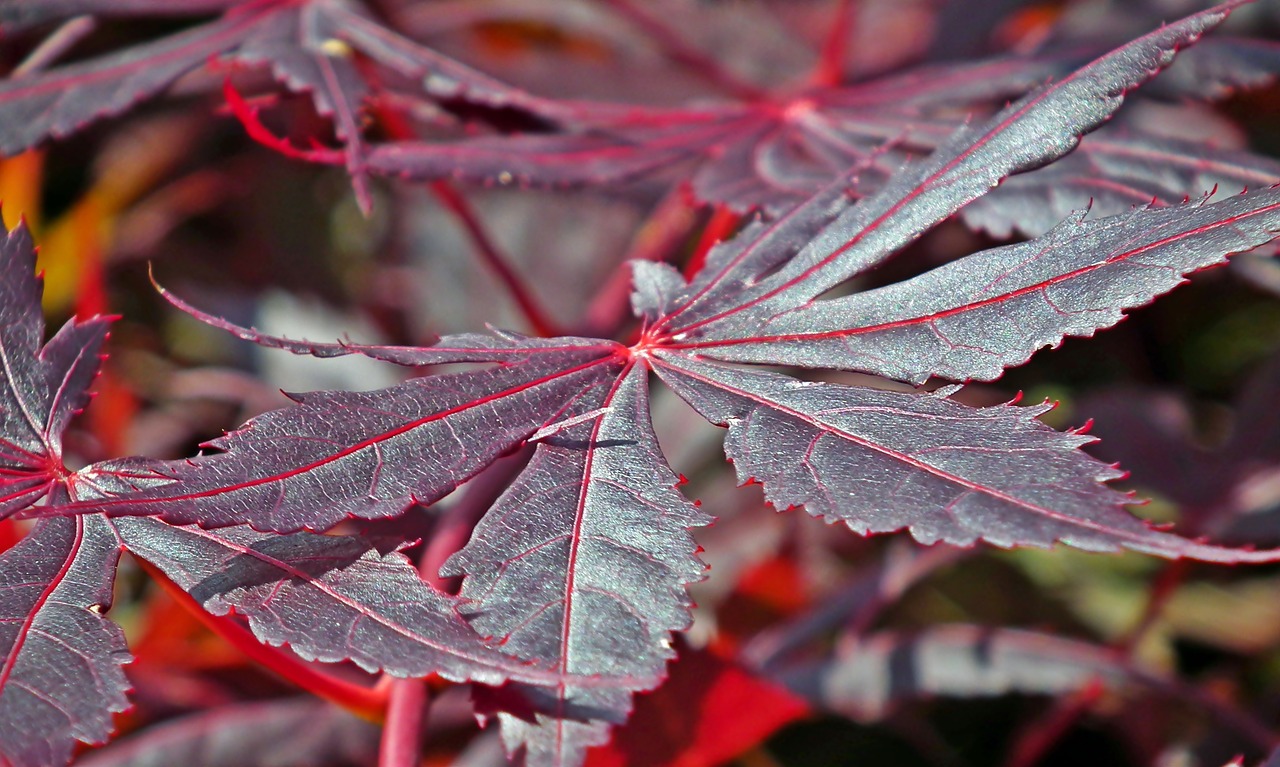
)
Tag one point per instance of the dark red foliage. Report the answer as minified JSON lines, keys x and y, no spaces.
{"x":514,"y":522}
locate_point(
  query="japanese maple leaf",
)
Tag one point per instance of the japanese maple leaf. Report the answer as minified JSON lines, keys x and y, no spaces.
{"x":60,"y":657}
{"x":308,"y":45}
{"x":580,"y":567}
{"x":769,"y":151}
{"x":60,"y":676}
{"x":41,"y":386}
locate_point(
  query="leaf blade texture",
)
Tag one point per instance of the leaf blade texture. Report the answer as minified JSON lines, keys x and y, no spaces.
{"x":1041,"y":127}
{"x":61,"y":677}
{"x":883,"y":461}
{"x":974,"y":317}
{"x":581,"y":566}
{"x":41,"y":386}
{"x":60,"y":101}
{"x":329,"y":598}
{"x":338,"y":455}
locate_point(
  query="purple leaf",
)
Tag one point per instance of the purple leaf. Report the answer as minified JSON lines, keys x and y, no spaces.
{"x":1112,"y":172}
{"x":974,"y":317}
{"x":551,"y":160}
{"x":329,"y":598}
{"x":882,"y":461}
{"x":299,"y":49}
{"x":301,"y":733}
{"x":41,"y":388}
{"x":581,"y":566}
{"x":1220,"y":67}
{"x":1028,"y":134}
{"x":307,"y":45}
{"x":440,"y":76}
{"x":19,"y":14}
{"x":60,"y":101}
{"x":337,"y":455}
{"x":61,"y":679}
{"x":497,"y":346}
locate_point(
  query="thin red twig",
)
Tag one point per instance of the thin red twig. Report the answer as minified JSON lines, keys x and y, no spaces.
{"x":830,"y":67}
{"x":63,"y":39}
{"x":1039,"y":737}
{"x":410,"y":698}
{"x":1048,"y":730}
{"x":454,"y":528}
{"x":401,"y":744}
{"x":453,"y":200}
{"x":247,"y":114}
{"x":723,"y":222}
{"x":659,"y":239}
{"x":366,"y":702}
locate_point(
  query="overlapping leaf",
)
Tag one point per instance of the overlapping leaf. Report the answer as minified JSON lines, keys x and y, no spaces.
{"x":883,"y":461}
{"x":41,"y":386}
{"x":971,"y":319}
{"x":1117,"y":168}
{"x":338,"y":455}
{"x":575,"y":580}
{"x":329,"y":598}
{"x":769,"y":153}
{"x":741,"y":286}
{"x":774,"y":152}
{"x":582,"y":566}
{"x":60,"y":679}
{"x":308,"y":46}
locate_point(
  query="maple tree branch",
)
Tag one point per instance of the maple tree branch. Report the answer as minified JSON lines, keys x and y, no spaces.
{"x":682,"y":53}
{"x":1052,"y":726}
{"x":829,"y":69}
{"x":1040,"y":735}
{"x":720,"y":227}
{"x":409,"y":698}
{"x":658,"y":239}
{"x":856,"y":604}
{"x":369,"y":703}
{"x":453,"y":200}
{"x":401,"y":744}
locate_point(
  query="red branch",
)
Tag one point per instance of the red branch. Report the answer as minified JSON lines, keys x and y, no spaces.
{"x":722,"y":224}
{"x":659,"y":239}
{"x":366,"y":702}
{"x":401,"y":744}
{"x":452,"y":199}
{"x":829,"y":70}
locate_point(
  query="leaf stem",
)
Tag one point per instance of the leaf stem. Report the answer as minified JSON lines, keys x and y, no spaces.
{"x":829,"y":70}
{"x":721,"y":225}
{"x":402,"y":734}
{"x":1039,"y":737}
{"x":369,"y":703}
{"x":658,"y":239}
{"x":453,"y":200}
